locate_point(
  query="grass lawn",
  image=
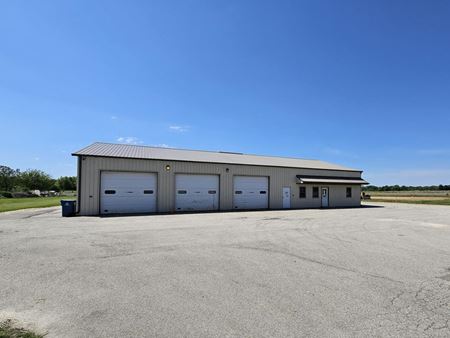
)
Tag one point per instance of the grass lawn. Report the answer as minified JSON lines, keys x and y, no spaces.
{"x":414,"y":197}
{"x":9,"y":204}
{"x":412,"y":201}
{"x":8,"y":330}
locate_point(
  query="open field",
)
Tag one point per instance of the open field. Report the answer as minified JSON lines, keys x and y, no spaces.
{"x":10,"y":204}
{"x":376,"y":271}
{"x":441,"y":197}
{"x":428,"y":193}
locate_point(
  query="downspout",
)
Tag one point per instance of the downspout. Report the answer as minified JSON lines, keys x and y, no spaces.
{"x":78,"y":184}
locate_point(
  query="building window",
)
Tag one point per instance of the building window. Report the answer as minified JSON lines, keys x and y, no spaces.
{"x":349,"y":192}
{"x":315,"y":192}
{"x":302,"y":192}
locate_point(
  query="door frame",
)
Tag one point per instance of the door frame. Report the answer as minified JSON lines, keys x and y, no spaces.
{"x":283,"y":189}
{"x":328,"y":197}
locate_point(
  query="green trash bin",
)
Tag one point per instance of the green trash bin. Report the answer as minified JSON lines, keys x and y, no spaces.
{"x":68,"y":208}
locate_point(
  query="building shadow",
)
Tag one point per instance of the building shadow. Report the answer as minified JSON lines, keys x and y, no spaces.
{"x":364,"y":206}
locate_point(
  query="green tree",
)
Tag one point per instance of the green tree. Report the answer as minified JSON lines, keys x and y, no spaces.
{"x":32,"y":179}
{"x":8,"y":178}
{"x":66,"y":183}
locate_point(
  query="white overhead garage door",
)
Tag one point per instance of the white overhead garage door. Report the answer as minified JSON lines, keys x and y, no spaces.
{"x":196,"y":192}
{"x":125,"y":192}
{"x":251,"y":192}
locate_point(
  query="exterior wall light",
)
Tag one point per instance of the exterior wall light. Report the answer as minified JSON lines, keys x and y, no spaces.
{"x":168,"y":167}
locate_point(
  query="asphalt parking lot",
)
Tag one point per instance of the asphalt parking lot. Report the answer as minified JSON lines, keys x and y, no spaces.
{"x":374,"y":271}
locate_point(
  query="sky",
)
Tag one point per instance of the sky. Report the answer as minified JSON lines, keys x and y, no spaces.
{"x":365,"y":84}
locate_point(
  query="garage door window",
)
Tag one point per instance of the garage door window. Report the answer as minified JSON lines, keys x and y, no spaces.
{"x":182,"y":192}
{"x":263,"y":192}
{"x":148,"y":192}
{"x":211,"y":192}
{"x":110,"y":192}
{"x":238,"y":192}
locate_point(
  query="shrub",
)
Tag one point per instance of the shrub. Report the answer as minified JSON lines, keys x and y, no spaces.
{"x":22,"y":194}
{"x":6,"y":194}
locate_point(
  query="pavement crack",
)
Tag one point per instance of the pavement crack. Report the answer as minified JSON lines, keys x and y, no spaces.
{"x":397,"y":297}
{"x":38,"y":213}
{"x":429,"y":326}
{"x":314,"y":261}
{"x":419,"y":291}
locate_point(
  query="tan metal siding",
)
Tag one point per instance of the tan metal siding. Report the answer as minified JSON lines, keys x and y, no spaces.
{"x":278,"y":178}
{"x":337,"y":196}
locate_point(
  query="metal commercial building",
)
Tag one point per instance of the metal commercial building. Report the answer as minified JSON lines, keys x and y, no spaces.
{"x":118,"y":178}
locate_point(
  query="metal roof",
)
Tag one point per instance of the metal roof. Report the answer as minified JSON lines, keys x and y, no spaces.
{"x":330,"y":180}
{"x":156,"y":153}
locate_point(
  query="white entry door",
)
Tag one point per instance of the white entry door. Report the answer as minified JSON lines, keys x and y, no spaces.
{"x":127,"y":192}
{"x":251,"y":192}
{"x":286,"y":197}
{"x":324,"y":197}
{"x":196,"y":192}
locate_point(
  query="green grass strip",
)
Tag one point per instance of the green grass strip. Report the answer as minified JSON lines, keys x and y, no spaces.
{"x":10,"y":204}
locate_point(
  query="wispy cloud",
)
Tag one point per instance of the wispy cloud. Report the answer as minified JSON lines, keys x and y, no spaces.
{"x":179,"y":129}
{"x":338,"y":152}
{"x":114,"y":117}
{"x":434,"y":152}
{"x":333,"y":151}
{"x":129,"y":140}
{"x":162,"y":145}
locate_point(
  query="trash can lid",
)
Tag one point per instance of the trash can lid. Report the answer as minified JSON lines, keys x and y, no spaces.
{"x":68,"y":201}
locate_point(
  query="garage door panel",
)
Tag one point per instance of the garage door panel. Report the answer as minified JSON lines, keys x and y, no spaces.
{"x":124,"y":192}
{"x":196,"y":192}
{"x":251,"y":192}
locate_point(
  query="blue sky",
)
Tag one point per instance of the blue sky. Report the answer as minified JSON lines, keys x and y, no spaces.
{"x":361,"y":83}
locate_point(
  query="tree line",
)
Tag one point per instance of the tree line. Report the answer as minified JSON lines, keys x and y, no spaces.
{"x":406,"y":188}
{"x":14,"y":180}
